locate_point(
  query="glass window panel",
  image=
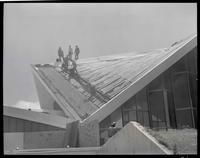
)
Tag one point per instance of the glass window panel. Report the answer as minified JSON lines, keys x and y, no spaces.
{"x":193,"y":89}
{"x":180,"y":65}
{"x":195,"y":57}
{"x":156,"y":84}
{"x":117,"y":117}
{"x":192,"y":61}
{"x":166,"y":79}
{"x":162,"y":124}
{"x":155,"y":124}
{"x":146,"y":119}
{"x":125,"y":116}
{"x":171,"y":109}
{"x":184,"y":118}
{"x":181,"y":91}
{"x":140,"y":117}
{"x":142,"y":100}
{"x":157,"y":106}
{"x":132,"y":116}
{"x":195,"y":117}
{"x":130,"y":104}
{"x":105,"y":123}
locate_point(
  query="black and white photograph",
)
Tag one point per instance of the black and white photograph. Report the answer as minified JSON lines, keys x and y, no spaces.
{"x":99,"y":78}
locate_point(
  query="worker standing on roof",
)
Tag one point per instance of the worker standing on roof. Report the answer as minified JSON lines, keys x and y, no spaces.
{"x":57,"y":63}
{"x":60,"y":53}
{"x":65,"y":63}
{"x":70,"y":52}
{"x":73,"y":69}
{"x":76,"y":52}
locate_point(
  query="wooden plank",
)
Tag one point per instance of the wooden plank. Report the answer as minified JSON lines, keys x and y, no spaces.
{"x":108,"y":82}
{"x":113,"y":85}
{"x":76,"y":101}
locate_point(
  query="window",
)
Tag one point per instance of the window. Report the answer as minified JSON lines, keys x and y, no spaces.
{"x":193,"y":89}
{"x":181,"y":90}
{"x":184,"y":118}
{"x":140,"y":117}
{"x":180,"y":65}
{"x":130,"y":104}
{"x":156,"y":101}
{"x":156,"y":84}
{"x":132,"y":115}
{"x":146,"y":118}
{"x":192,"y":61}
{"x":142,"y":100}
{"x":105,"y":123}
{"x":195,"y":117}
{"x":157,"y":105}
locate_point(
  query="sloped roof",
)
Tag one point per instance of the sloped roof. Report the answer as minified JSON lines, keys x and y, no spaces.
{"x":39,"y":117}
{"x":109,"y":75}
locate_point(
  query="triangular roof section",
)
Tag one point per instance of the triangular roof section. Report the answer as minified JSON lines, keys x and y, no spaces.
{"x":38,"y":117}
{"x":114,"y":79}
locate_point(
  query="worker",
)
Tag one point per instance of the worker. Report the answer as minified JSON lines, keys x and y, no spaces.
{"x":65,"y":63}
{"x":112,"y":129}
{"x":57,"y":63}
{"x":60,"y":53}
{"x":70,"y":52}
{"x":76,"y":52}
{"x":74,"y":67}
{"x":92,"y":90}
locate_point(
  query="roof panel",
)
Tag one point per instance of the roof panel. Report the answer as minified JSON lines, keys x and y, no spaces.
{"x":109,"y":75}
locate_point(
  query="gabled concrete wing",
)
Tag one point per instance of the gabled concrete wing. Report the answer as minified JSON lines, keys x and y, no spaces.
{"x":39,"y":117}
{"x":71,"y":101}
{"x":114,"y":79}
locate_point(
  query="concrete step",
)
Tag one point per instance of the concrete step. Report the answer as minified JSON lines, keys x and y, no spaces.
{"x":56,"y":151}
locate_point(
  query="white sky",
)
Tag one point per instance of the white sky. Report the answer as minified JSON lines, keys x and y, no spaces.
{"x":33,"y":32}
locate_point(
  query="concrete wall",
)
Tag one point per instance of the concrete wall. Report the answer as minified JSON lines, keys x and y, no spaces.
{"x":35,"y":140}
{"x":72,"y":134}
{"x":132,"y":140}
{"x":46,"y":101}
{"x":44,"y":139}
{"x":89,"y":134}
{"x":58,"y":151}
{"x":13,"y":140}
{"x":13,"y":124}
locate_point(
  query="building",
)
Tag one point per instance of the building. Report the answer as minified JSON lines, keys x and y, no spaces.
{"x":156,"y":88}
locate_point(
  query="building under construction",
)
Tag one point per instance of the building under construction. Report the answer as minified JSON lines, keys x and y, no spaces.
{"x":157,"y":89}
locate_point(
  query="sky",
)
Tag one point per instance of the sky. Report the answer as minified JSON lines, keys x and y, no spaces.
{"x":34,"y":31}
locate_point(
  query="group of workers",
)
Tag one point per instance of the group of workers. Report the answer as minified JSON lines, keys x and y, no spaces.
{"x":68,"y":64}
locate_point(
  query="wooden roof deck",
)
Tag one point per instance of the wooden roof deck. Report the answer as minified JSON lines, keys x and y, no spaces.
{"x":110,"y":75}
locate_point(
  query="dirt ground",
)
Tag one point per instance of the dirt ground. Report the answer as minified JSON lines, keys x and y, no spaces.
{"x":183,"y":141}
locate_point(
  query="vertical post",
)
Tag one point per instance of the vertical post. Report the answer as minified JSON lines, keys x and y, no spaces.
{"x":166,"y":108}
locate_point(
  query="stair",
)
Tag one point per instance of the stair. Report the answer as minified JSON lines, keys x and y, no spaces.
{"x":56,"y":151}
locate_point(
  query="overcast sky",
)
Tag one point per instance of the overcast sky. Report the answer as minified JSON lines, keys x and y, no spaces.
{"x":33,"y":32}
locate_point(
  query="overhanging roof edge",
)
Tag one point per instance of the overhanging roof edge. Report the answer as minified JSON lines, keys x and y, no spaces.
{"x":140,"y":83}
{"x":48,"y":119}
